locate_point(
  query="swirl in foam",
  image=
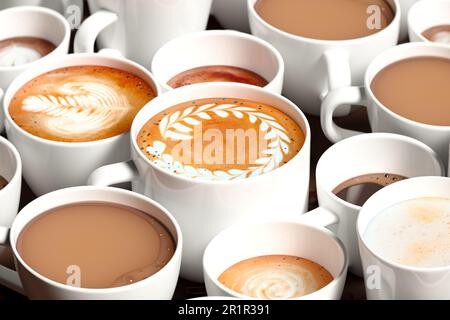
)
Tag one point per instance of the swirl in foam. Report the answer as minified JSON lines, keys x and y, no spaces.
{"x":79,"y":104}
{"x":22,"y":50}
{"x":275,"y":277}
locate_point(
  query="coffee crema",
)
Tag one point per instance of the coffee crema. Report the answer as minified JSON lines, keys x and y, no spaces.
{"x":220,"y":139}
{"x":416,"y":89}
{"x":327,"y":19}
{"x":275,"y":277}
{"x":95,"y":245}
{"x":413,"y":233}
{"x":440,"y":34}
{"x":3,"y":182}
{"x":217,"y":74}
{"x":80,"y":103}
{"x":22,"y":50}
{"x":359,"y":189}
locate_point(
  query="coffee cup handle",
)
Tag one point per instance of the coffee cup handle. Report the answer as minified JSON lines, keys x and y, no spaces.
{"x":339,"y":74}
{"x":114,"y":174}
{"x":91,"y":28}
{"x":9,"y":278}
{"x":319,"y":217}
{"x":335,"y":99}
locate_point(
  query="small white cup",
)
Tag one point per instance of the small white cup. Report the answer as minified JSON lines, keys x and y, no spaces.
{"x":31,"y":22}
{"x":139,"y":28}
{"x":219,"y":47}
{"x":426,"y":14}
{"x":231,"y":14}
{"x":381,"y":118}
{"x":357,"y":156}
{"x":316,"y":67}
{"x":50,"y":165}
{"x":297,"y":239}
{"x":159,"y":286}
{"x":387,"y":280}
{"x":204,"y":208}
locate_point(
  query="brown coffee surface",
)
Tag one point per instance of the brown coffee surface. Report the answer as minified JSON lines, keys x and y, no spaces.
{"x":417,"y":89}
{"x":220,"y":139}
{"x":327,"y":19}
{"x":80,"y":103}
{"x":217,"y":74}
{"x":112,"y":245}
{"x":275,"y":277}
{"x":359,"y":189}
{"x":439,"y":33}
{"x":21,"y":50}
{"x":3,"y":182}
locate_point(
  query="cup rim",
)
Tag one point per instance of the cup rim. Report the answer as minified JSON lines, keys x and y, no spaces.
{"x":43,"y":11}
{"x":385,"y":261}
{"x":395,"y":23}
{"x":380,"y":57}
{"x":412,"y":26}
{"x":323,"y":230}
{"x":30,"y":74}
{"x":112,"y":191}
{"x":216,"y":33}
{"x":294,"y":107}
{"x":372,"y":136}
{"x":18,"y":172}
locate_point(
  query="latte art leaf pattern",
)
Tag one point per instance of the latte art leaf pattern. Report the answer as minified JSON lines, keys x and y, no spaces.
{"x":180,"y":126}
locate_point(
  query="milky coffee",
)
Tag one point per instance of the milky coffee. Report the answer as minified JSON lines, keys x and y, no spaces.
{"x":22,"y":50}
{"x":440,"y":34}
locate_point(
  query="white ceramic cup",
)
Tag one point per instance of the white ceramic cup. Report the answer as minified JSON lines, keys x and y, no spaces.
{"x":386,"y":280}
{"x":315,"y":67}
{"x":245,"y":241}
{"x":357,"y":156}
{"x":138,"y":28}
{"x":204,"y":208}
{"x":426,"y":14}
{"x":59,"y":5}
{"x":219,"y":47}
{"x":50,"y":165}
{"x":31,"y":22}
{"x":405,"y":6}
{"x":159,"y":286}
{"x":381,"y":118}
{"x":231,"y":14}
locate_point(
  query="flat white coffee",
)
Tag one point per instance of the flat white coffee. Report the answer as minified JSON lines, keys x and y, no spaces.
{"x":413,"y":233}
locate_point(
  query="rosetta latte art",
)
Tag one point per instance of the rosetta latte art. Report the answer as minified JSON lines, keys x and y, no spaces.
{"x":81,"y":108}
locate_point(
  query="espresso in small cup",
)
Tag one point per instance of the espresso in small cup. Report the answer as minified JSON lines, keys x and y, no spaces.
{"x":276,"y":277}
{"x":217,"y":74}
{"x":3,"y":182}
{"x":440,"y":34}
{"x":358,"y":189}
{"x":221,"y":139}
{"x":327,"y":19}
{"x":417,"y":89}
{"x":22,"y":50}
{"x":95,"y":245}
{"x":413,"y":233}
{"x":80,"y":103}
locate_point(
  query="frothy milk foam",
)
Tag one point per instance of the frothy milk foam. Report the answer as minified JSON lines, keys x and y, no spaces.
{"x":413,"y":233}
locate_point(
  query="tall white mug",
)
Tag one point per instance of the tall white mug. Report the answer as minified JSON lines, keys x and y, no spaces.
{"x":202,"y":207}
{"x":315,"y":67}
{"x":31,"y":22}
{"x":138,"y":28}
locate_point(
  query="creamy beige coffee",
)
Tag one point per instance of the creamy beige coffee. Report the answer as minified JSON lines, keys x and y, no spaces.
{"x":95,"y":245}
{"x":217,"y":74}
{"x":275,"y":277}
{"x":327,"y":19}
{"x":22,"y":50}
{"x":414,"y":233}
{"x":416,"y":89}
{"x":440,"y":34}
{"x":3,"y":182}
{"x":220,"y":139}
{"x":359,"y":189}
{"x":80,"y":103}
